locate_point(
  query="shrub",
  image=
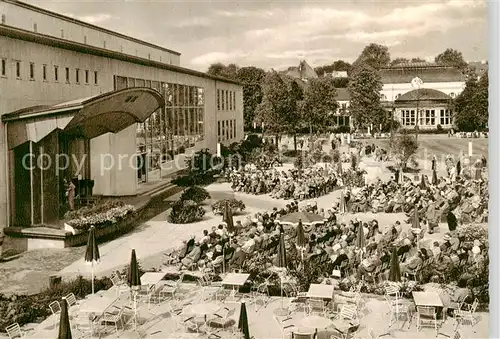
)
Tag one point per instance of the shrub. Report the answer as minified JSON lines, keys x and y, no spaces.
{"x":86,"y":211}
{"x":336,"y":156}
{"x":439,"y":128}
{"x":34,"y":308}
{"x":236,"y":205}
{"x":196,"y":194}
{"x":185,"y":212}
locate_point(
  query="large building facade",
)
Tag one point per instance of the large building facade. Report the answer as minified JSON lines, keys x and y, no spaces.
{"x":47,"y":59}
{"x":421,"y":94}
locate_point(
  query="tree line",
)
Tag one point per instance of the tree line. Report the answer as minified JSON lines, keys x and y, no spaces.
{"x":286,"y":105}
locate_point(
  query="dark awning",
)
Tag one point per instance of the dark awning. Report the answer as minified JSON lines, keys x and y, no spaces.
{"x":91,"y":117}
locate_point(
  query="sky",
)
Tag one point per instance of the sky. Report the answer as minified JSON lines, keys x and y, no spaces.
{"x":278,"y":34}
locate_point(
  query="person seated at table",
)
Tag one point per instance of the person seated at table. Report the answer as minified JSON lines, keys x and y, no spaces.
{"x":217,"y":258}
{"x":446,"y":245}
{"x":368,"y":265}
{"x":459,"y":296}
{"x":192,"y":257}
{"x":412,"y":263}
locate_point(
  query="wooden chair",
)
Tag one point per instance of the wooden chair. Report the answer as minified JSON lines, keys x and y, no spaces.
{"x":55,"y":308}
{"x":467,"y":313}
{"x":347,"y":312}
{"x":170,"y":289}
{"x":223,"y":319}
{"x":426,"y":315}
{"x":14,"y":331}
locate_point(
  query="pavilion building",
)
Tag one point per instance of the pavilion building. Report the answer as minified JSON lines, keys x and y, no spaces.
{"x":123,"y":111}
{"x":421,"y":94}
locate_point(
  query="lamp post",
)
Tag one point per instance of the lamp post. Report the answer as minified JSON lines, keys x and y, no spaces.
{"x":416,"y":83}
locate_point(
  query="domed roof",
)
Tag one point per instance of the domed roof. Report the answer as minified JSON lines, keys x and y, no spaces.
{"x":424,"y":94}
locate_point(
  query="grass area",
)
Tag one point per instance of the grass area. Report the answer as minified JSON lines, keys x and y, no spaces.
{"x":441,"y":145}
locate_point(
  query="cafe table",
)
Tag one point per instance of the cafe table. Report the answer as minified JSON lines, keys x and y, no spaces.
{"x":235,"y":280}
{"x":427,"y":299}
{"x":320,"y":291}
{"x":203,"y":309}
{"x":152,"y":278}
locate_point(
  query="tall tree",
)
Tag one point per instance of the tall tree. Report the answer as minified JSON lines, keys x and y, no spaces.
{"x":374,"y":55}
{"x":471,"y":106}
{"x":341,"y":66}
{"x":451,"y":57}
{"x":414,"y":60}
{"x":251,"y":78}
{"x":364,"y":89}
{"x":319,"y":102}
{"x":279,"y":107}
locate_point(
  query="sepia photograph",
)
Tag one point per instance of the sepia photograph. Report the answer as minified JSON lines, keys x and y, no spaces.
{"x":245,"y":169}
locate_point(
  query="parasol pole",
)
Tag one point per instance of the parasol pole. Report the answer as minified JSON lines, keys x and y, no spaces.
{"x":92,"y":276}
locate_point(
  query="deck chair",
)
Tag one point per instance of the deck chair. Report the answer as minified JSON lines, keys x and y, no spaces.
{"x":55,"y":308}
{"x":14,"y":331}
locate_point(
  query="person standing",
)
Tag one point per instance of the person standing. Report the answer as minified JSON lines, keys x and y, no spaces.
{"x":70,"y":193}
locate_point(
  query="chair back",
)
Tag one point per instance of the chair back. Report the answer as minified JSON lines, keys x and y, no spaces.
{"x":474,"y":305}
{"x":429,"y":311}
{"x":348,"y":312}
{"x":116,"y":280}
{"x":297,"y":335}
{"x":14,"y":331}
{"x":391,"y":290}
{"x":317,"y":304}
{"x":55,"y":307}
{"x":457,"y":335}
{"x":71,"y":299}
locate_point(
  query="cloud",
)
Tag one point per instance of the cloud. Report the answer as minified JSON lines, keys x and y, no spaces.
{"x":214,"y":57}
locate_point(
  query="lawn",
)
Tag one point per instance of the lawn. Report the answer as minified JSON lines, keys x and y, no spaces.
{"x":441,"y":145}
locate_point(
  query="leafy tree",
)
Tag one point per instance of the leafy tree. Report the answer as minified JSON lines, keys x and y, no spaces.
{"x":319,"y":102}
{"x":340,"y":82}
{"x":221,"y":70}
{"x":451,"y":57}
{"x":373,"y":55}
{"x":279,"y":107}
{"x":364,"y":89}
{"x":417,"y":60}
{"x":339,"y":65}
{"x":251,"y":78}
{"x":471,"y":106}
{"x":399,"y":61}
{"x":403,"y":147}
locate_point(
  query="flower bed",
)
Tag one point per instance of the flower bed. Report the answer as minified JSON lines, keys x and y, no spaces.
{"x":185,"y":212}
{"x":236,"y":205}
{"x":100,"y":216}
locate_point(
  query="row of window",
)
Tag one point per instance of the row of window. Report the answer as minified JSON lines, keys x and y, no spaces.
{"x":226,"y":130}
{"x":226,"y":100}
{"x":80,"y":75}
{"x":426,"y":117}
{"x":170,"y":130}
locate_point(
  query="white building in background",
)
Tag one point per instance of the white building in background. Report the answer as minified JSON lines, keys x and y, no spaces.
{"x":421,"y":93}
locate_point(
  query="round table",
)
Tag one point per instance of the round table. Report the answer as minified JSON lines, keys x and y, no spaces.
{"x":316,"y":321}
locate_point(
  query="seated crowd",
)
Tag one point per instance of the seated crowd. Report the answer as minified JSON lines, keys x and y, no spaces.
{"x":309,"y":183}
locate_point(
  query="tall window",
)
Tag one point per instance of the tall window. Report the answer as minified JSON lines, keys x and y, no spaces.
{"x":56,"y":73}
{"x":234,"y":127}
{"x":18,"y":69}
{"x":3,"y":67}
{"x":67,"y":74}
{"x":445,"y":117}
{"x":95,"y":78}
{"x":32,"y":71}
{"x":44,"y":72}
{"x":230,"y":100}
{"x":218,"y":100}
{"x":230,"y":129}
{"x":173,"y":129}
{"x":218,"y":131}
{"x":234,"y":100}
{"x":227,"y":100}
{"x":77,"y":76}
{"x":86,"y":76}
{"x":223,"y":101}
